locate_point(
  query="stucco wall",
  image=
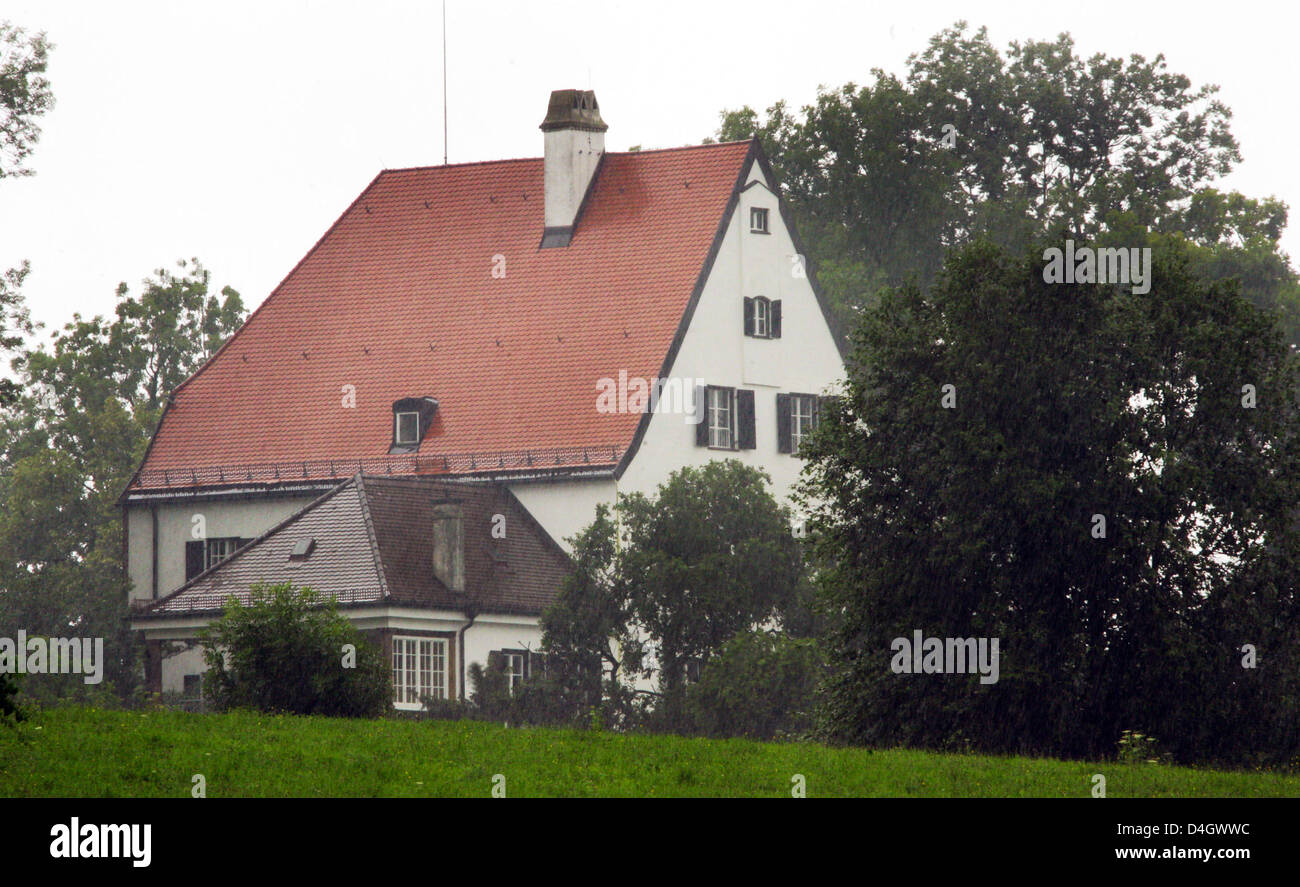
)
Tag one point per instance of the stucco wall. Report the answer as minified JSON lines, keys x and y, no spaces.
{"x":246,"y":518}
{"x":716,"y":350}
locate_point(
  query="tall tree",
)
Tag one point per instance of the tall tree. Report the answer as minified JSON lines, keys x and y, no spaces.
{"x":25,"y":95}
{"x":1108,"y":487}
{"x":709,"y":555}
{"x":89,"y":402}
{"x":1011,"y":146}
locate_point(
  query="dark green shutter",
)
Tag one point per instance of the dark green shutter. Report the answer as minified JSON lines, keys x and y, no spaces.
{"x":193,"y":559}
{"x":749,"y":316}
{"x":783,"y":444}
{"x":775,"y":323}
{"x":745,"y":437}
{"x":496,"y":661}
{"x":702,"y":409}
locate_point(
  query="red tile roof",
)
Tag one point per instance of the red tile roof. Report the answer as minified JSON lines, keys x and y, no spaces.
{"x":398,"y":299}
{"x":374,"y":547}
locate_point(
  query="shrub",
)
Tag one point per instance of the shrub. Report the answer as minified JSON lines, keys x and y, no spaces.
{"x":285,"y":653}
{"x":10,"y":710}
{"x":761,"y":685}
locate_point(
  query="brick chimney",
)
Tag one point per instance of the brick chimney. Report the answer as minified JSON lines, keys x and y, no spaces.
{"x":575,"y":141}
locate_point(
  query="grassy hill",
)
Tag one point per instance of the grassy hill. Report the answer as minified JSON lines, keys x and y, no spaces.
{"x":86,"y":752}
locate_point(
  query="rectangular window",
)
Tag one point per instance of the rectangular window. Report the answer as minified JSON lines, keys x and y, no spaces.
{"x":803,"y":418}
{"x":217,"y":550}
{"x":514,"y":662}
{"x":193,"y":686}
{"x":419,"y":670}
{"x":762,"y":317}
{"x":722,"y":418}
{"x":758,"y":220}
{"x":408,"y":428}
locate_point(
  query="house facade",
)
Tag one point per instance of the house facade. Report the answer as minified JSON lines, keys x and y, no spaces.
{"x":558,"y":330}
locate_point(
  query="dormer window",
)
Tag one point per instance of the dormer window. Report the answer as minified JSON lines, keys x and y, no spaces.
{"x":763,"y":317}
{"x":758,"y":220}
{"x":412,"y":417}
{"x":408,"y":428}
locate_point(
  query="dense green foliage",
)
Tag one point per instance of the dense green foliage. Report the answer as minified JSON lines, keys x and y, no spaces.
{"x":90,"y":399}
{"x":979,"y":520}
{"x":76,"y":752}
{"x":709,"y":555}
{"x":10,"y":708}
{"x":290,"y":651}
{"x":761,"y":685}
{"x":25,"y":96}
{"x":1008,"y":146}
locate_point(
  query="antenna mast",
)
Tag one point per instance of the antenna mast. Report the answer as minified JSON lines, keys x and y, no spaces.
{"x":444,"y":82}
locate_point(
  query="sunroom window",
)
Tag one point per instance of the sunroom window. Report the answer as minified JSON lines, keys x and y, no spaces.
{"x":419,"y":670}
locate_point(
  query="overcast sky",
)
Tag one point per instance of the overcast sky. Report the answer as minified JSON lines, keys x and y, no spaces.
{"x":238,"y":132}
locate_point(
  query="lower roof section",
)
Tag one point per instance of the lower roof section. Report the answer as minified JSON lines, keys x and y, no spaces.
{"x":370,"y":541}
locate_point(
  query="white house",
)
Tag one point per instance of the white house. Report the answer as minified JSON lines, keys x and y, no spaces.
{"x":505,"y":324}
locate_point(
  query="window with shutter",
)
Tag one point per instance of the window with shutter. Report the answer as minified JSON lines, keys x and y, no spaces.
{"x":761,"y":320}
{"x":217,"y":550}
{"x":513,"y":664}
{"x":746,"y":439}
{"x":796,"y":416}
{"x":803,"y":418}
{"x":701,"y":415}
{"x":193,"y":559}
{"x":783,"y":423}
{"x":721,"y":417}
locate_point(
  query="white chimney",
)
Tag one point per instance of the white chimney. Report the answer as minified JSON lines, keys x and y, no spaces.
{"x":575,"y":141}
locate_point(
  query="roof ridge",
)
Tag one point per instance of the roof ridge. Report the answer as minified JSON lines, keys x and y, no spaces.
{"x":371,"y":537}
{"x":702,"y":146}
{"x":433,"y":166}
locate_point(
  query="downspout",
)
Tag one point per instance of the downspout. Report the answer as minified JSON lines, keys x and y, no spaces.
{"x":460,"y":645}
{"x":153,"y":543}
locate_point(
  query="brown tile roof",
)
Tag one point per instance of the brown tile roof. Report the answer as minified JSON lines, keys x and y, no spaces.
{"x":399,"y":300}
{"x":374,"y":547}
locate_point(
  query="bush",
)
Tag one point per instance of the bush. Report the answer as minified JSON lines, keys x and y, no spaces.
{"x":285,"y":653}
{"x":10,"y":710}
{"x":761,"y":686}
{"x":535,"y":702}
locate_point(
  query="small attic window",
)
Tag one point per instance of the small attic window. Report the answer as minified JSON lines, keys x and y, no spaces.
{"x":408,"y":428}
{"x":758,"y":220}
{"x":302,"y":549}
{"x":412,"y":418}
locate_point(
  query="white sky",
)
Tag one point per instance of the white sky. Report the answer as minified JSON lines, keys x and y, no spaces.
{"x":238,"y":131}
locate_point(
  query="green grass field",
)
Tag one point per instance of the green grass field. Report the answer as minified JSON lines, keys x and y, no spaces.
{"x":91,"y":753}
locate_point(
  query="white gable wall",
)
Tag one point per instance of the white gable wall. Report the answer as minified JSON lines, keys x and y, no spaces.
{"x":716,"y":350}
